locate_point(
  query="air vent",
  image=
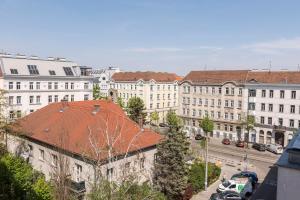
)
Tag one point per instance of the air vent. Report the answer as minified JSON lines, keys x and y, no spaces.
{"x":50,"y":58}
{"x":20,"y":56}
{"x":34,"y":57}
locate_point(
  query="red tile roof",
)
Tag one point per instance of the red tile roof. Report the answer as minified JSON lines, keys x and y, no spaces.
{"x":146,"y":76}
{"x":72,"y":125}
{"x":243,"y":76}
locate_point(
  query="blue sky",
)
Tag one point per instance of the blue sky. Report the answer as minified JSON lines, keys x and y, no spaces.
{"x":159,"y":35}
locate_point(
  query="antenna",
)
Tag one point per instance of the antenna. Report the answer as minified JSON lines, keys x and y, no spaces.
{"x":270,"y":65}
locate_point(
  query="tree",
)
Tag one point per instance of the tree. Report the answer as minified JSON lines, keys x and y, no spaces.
{"x":173,"y":121}
{"x":154,"y":116}
{"x":207,"y":126}
{"x":135,"y":109}
{"x":249,"y":123}
{"x":96,"y":92}
{"x":120,"y":102}
{"x":170,"y":170}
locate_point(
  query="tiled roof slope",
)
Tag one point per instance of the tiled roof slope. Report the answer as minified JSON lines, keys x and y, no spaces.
{"x":72,"y":125}
{"x":243,"y":77}
{"x":146,"y":76}
{"x":216,"y":76}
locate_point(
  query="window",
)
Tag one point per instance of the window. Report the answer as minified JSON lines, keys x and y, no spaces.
{"x":263,"y":93}
{"x":68,"y":71}
{"x":232,"y":91}
{"x":220,"y":90}
{"x":151,"y":87}
{"x":31,"y":99}
{"x":78,"y":172}
{"x":292,"y":123}
{"x":239,"y":117}
{"x":292,"y":108}
{"x":31,"y":85}
{"x":49,"y":85}
{"x":226,"y":127}
{"x":231,"y":116}
{"x":19,"y":100}
{"x":194,"y":101}
{"x":142,"y":163}
{"x":240,"y":91}
{"x":10,"y":100}
{"x":213,"y":90}
{"x":49,"y":99}
{"x":66,"y":86}
{"x":281,"y":94}
{"x":212,"y":102}
{"x":200,"y":113}
{"x":226,"y":116}
{"x":18,"y":85}
{"x":252,"y":93}
{"x":86,"y":86}
{"x":38,"y":99}
{"x":13,"y":71}
{"x":251,"y":106}
{"x":270,"y":120}
{"x":232,"y":103}
{"x":270,"y":107}
{"x":33,"y":70}
{"x":11,"y":115}
{"x":271,"y":93}
{"x":86,"y":97}
{"x":239,"y":104}
{"x":226,"y":103}
{"x":280,"y":121}
{"x":72,"y":97}
{"x":230,"y":128}
{"x":194,"y":112}
{"x":212,"y":114}
{"x":30,"y":147}
{"x":42,"y":154}
{"x":195,"y":89}
{"x":52,"y":72}
{"x":293,"y":95}
{"x":219,"y":115}
{"x":263,"y":107}
{"x":219,"y":102}
{"x":37,"y":85}
{"x":54,"y":160}
{"x":109,"y":173}
{"x":227,"y":91}
{"x":72,"y":86}
{"x":200,"y":102}
{"x":10,"y":85}
{"x":206,"y":90}
{"x":157,"y":96}
{"x":281,"y":108}
{"x":56,"y":98}
{"x":262,"y":120}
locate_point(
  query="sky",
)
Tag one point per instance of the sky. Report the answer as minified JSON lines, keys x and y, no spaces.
{"x":156,"y":35}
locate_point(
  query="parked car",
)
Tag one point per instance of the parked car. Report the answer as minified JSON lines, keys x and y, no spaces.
{"x":226,"y":141}
{"x":242,"y":185}
{"x":240,"y":143}
{"x":163,"y":125}
{"x":225,"y":195}
{"x":248,"y":174}
{"x":274,"y":148}
{"x":259,"y":147}
{"x":199,"y":137}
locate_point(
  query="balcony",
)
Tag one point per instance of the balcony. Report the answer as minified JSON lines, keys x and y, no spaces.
{"x":77,"y":187}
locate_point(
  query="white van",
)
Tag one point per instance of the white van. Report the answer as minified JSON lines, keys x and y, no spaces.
{"x":274,"y":148}
{"x":241,"y":185}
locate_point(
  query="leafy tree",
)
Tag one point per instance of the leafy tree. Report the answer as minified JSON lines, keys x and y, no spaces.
{"x":154,"y":116}
{"x":120,"y":102}
{"x":207,"y":125}
{"x":249,"y":123}
{"x":173,"y":121}
{"x":42,"y":189}
{"x":96,"y":92}
{"x":135,"y":109}
{"x":170,"y":170}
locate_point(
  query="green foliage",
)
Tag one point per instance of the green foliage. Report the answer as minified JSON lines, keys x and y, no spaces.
{"x":135,"y":109}
{"x":196,"y":175}
{"x":42,"y":189}
{"x":154,"y":116}
{"x":128,"y":190}
{"x":19,"y":181}
{"x":96,"y":92}
{"x":207,"y":125}
{"x":173,"y":120}
{"x":120,"y":102}
{"x":170,"y":170}
{"x":250,"y":122}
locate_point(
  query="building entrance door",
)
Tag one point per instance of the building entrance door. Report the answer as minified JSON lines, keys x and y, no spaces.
{"x":279,"y":138}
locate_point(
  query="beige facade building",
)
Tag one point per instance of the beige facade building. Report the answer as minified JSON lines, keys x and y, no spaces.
{"x":158,"y":90}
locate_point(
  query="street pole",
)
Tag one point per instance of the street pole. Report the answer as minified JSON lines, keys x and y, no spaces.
{"x":206,"y":162}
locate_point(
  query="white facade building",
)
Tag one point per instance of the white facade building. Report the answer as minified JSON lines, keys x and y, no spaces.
{"x":102,"y":77}
{"x":158,"y":90}
{"x":31,"y":83}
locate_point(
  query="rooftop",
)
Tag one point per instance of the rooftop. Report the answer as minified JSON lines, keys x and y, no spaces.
{"x":79,"y":127}
{"x":146,"y":76}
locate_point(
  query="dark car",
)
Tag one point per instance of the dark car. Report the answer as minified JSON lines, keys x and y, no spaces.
{"x":240,"y":143}
{"x":259,"y":147}
{"x":225,"y":196}
{"x":199,"y":137}
{"x":163,"y":125}
{"x":248,"y":174}
{"x":226,"y":141}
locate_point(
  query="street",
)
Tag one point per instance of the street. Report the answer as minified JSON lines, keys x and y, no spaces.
{"x":232,"y":161}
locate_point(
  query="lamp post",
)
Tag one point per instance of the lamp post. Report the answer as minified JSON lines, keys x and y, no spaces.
{"x":206,"y":161}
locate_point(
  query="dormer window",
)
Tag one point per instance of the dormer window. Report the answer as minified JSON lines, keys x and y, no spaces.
{"x":52,"y":72}
{"x":13,"y":71}
{"x":33,"y":70}
{"x":68,"y":71}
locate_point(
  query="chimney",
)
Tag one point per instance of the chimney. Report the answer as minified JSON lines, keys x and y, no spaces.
{"x":141,"y":122}
{"x":64,"y":105}
{"x":96,"y":109}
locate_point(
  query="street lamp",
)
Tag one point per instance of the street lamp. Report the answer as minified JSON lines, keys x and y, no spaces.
{"x":206,"y":161}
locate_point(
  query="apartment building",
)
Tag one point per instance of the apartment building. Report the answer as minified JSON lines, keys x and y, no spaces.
{"x":95,"y":138}
{"x":31,"y":83}
{"x":274,"y":100}
{"x":218,"y":95}
{"x":102,"y":77}
{"x":158,"y":90}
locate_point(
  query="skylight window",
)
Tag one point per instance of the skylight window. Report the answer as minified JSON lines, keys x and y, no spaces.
{"x":68,"y":71}
{"x":52,"y":72}
{"x":14,"y":71}
{"x":33,"y":70}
